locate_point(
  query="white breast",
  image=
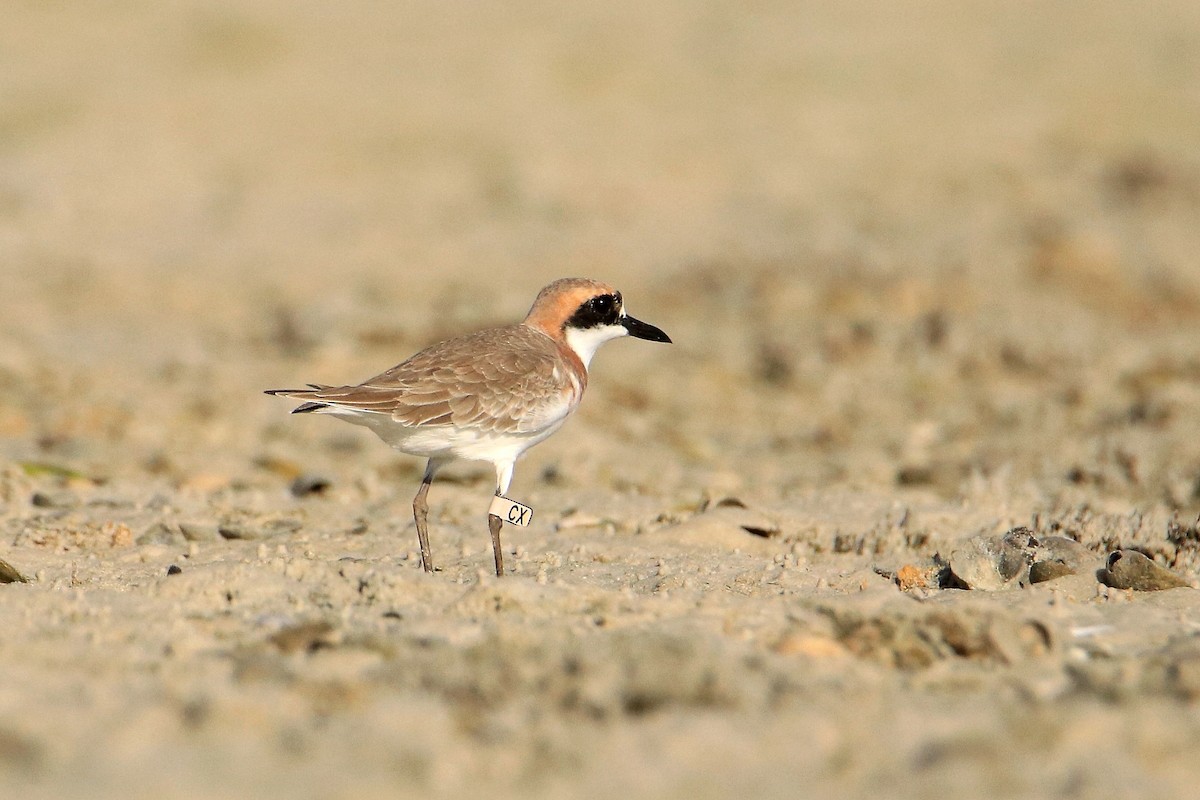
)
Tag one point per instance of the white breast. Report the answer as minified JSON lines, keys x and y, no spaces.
{"x":586,"y":341}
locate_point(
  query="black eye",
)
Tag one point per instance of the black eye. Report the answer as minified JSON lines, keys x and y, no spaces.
{"x":604,"y":309}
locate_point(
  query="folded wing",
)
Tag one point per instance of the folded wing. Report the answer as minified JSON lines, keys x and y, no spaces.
{"x":509,"y":380}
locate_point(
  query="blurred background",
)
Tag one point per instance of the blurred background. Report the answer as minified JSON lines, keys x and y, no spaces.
{"x":931,"y":271}
{"x":935,"y":246}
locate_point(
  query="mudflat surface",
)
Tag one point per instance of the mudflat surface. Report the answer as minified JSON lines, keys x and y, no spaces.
{"x":931,"y":273}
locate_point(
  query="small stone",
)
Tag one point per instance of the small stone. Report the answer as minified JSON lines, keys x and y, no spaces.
{"x":1129,"y":569}
{"x":54,"y":499}
{"x":910,"y":576}
{"x":1042,"y":571}
{"x":1069,"y":552}
{"x":174,"y":569}
{"x":1059,"y":556}
{"x":233,"y":530}
{"x":161,"y":533}
{"x":309,"y":483}
{"x":9,"y":573}
{"x":994,"y":562}
{"x":194,"y":531}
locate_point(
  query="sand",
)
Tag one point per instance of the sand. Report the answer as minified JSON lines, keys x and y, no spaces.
{"x":930,"y":269}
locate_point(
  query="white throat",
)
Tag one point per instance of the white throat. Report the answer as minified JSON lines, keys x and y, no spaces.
{"x":586,"y":341}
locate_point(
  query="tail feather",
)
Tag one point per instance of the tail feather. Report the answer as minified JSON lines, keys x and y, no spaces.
{"x":303,"y":408}
{"x":307,"y":407}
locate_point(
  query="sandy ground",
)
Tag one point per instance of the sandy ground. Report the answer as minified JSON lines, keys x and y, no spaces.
{"x":931,"y":273}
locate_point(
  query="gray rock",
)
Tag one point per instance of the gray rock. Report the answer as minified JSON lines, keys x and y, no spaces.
{"x":195,"y":531}
{"x":236,"y":530}
{"x":1129,"y":569}
{"x":1048,"y":570}
{"x":1058,"y":556}
{"x":993,"y":562}
{"x":161,"y":533}
{"x":1067,"y":551}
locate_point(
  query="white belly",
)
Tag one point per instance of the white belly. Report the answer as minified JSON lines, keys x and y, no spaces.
{"x":448,"y":442}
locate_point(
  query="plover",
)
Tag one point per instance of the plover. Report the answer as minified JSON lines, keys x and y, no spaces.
{"x":488,"y":396}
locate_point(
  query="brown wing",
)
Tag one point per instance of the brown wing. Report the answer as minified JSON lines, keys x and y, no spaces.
{"x":505,"y":379}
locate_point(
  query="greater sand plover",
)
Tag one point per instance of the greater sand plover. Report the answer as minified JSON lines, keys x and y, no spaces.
{"x":488,"y":396}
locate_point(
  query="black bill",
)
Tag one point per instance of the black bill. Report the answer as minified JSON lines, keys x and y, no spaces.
{"x":643,"y":330}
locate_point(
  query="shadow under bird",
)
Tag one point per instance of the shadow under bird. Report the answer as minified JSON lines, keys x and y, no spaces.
{"x":488,"y":396}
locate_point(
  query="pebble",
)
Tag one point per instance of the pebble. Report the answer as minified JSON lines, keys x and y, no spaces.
{"x":1059,"y":556}
{"x":1129,"y":569}
{"x":1042,"y":571}
{"x":161,"y":533}
{"x":194,"y":531}
{"x":9,"y":573}
{"x":910,"y":577}
{"x":236,"y":531}
{"x":994,"y":562}
{"x":54,"y":499}
{"x":309,"y":483}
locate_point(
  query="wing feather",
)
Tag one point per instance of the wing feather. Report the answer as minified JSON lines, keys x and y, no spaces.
{"x":503,"y":379}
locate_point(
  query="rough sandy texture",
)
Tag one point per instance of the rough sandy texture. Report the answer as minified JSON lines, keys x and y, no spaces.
{"x":931,"y":273}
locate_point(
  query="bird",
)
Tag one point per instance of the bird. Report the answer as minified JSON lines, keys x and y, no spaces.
{"x":487,"y":396}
